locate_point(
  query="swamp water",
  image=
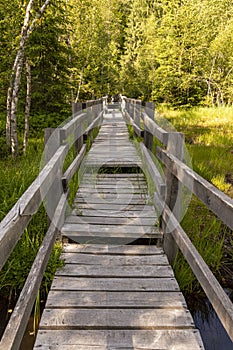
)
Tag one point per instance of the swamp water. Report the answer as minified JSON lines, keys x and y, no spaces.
{"x":212,"y":332}
{"x":206,"y":320}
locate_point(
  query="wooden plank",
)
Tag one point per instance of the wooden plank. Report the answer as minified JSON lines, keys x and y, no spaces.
{"x":114,"y":190}
{"x":114,"y":164}
{"x":76,"y":299}
{"x":112,"y":249}
{"x":134,"y":221}
{"x":111,"y":206}
{"x":116,"y":319}
{"x":218,"y":202}
{"x":117,"y":260}
{"x":125,"y":175}
{"x":122,"y":202}
{"x":115,"y":284}
{"x":118,"y":198}
{"x":119,"y":340}
{"x":108,"y":183}
{"x":14,"y":223}
{"x":16,"y":326}
{"x":215,"y":293}
{"x":122,"y":186}
{"x":157,"y":178}
{"x":155,"y":129}
{"x":126,"y":271}
{"x":145,"y":213}
{"x":85,"y":230}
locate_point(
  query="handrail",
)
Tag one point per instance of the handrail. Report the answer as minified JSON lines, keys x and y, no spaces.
{"x":215,"y":293}
{"x":219,"y":203}
{"x":18,"y":218}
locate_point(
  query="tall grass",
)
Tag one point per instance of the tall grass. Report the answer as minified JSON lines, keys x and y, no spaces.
{"x":16,"y":176}
{"x":209,"y":140}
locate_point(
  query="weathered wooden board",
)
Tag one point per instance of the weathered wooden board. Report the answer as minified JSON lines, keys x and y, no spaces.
{"x":131,"y":189}
{"x":117,"y":271}
{"x":85,"y":299}
{"x":134,"y":221}
{"x":114,"y":176}
{"x":119,"y":340}
{"x":108,"y":230}
{"x":92,"y":259}
{"x":113,"y":250}
{"x":111,"y":199}
{"x":111,"y":206}
{"x":143,"y":213}
{"x":120,"y":184}
{"x":114,"y":284}
{"x":116,"y":319}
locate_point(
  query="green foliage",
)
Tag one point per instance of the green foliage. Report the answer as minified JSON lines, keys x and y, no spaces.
{"x":16,"y":176}
{"x":17,"y":267}
{"x":207,"y":234}
{"x":209,"y":138}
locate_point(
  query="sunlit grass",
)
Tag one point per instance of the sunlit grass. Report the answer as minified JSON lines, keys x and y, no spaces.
{"x":16,"y":176}
{"x":209,"y":140}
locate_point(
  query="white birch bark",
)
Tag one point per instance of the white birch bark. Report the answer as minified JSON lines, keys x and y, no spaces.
{"x":13,"y":91}
{"x":82,"y":71}
{"x":28,"y":106}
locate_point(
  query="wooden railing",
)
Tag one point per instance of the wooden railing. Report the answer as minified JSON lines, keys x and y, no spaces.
{"x":51,"y":186}
{"x":166,"y":199}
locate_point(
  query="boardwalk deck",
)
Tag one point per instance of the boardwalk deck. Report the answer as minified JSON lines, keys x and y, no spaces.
{"x":111,"y":295}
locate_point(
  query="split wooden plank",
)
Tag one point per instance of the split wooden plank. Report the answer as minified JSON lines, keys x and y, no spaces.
{"x":117,"y":260}
{"x":99,"y":220}
{"x":114,"y":190}
{"x":133,"y":214}
{"x":85,"y":299}
{"x":123,"y":271}
{"x":132,"y":284}
{"x":116,"y":319}
{"x":118,"y":340}
{"x":111,"y":206}
{"x":113,"y":250}
{"x":109,"y":230}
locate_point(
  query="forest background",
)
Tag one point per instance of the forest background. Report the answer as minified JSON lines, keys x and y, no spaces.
{"x":179,"y":52}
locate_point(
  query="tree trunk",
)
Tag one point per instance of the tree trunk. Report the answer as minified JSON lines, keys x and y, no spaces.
{"x":8,"y":115}
{"x":13,"y":91}
{"x":82,"y":71}
{"x":28,"y":105}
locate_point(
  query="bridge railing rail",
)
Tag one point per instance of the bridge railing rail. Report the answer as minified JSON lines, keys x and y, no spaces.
{"x":167,"y":199}
{"x":50,"y":187}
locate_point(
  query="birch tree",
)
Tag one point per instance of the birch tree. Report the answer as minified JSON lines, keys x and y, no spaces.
{"x":28,"y":105}
{"x":14,"y":86}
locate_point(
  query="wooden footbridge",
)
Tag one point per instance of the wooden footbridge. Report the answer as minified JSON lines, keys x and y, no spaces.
{"x":117,"y":289}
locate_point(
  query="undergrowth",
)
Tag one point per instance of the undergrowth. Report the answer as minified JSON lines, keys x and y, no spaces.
{"x":209,"y":140}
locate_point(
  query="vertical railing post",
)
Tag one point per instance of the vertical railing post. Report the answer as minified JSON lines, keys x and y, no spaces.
{"x":52,"y":141}
{"x":148,"y":137}
{"x":137,"y":116}
{"x":76,"y":107}
{"x":173,"y":198}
